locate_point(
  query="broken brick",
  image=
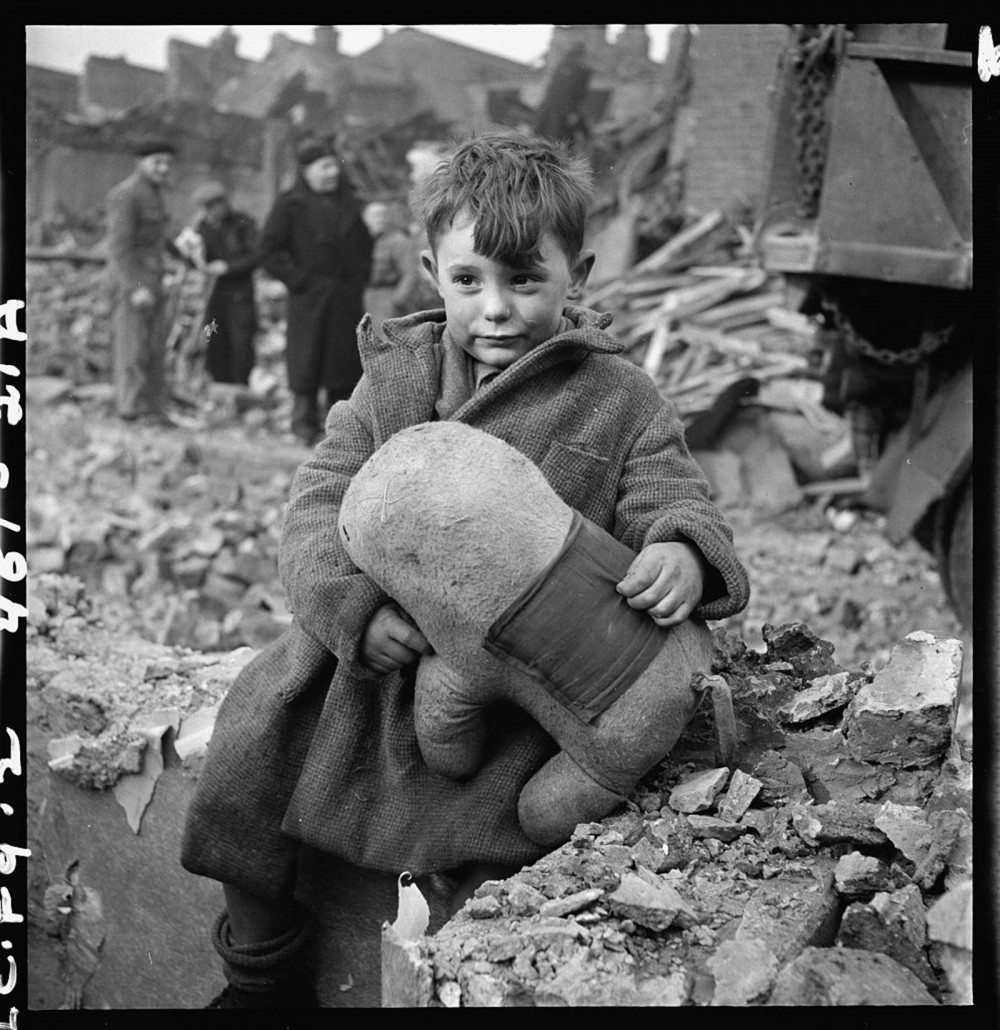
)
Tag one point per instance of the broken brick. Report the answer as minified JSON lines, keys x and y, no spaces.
{"x":707,"y":826}
{"x":824,"y":694}
{"x":781,"y":781}
{"x":858,"y":874}
{"x":650,"y":856}
{"x":743,"y":788}
{"x":744,"y":971}
{"x":893,"y":924}
{"x":796,"y":644}
{"x":906,"y":715}
{"x":793,"y":910}
{"x":570,"y":903}
{"x":839,"y":822}
{"x":697,"y":793}
{"x":523,"y":898}
{"x":655,"y":907}
{"x":846,"y":976}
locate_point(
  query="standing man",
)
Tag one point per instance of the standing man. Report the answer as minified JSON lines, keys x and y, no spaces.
{"x":137,"y":240}
{"x":230,"y":255}
{"x":316,"y":243}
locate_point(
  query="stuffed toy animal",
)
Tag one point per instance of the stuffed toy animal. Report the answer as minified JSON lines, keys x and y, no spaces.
{"x":515,"y":591}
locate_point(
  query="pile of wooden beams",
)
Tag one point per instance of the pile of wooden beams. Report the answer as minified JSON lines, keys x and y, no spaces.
{"x":699,"y":314}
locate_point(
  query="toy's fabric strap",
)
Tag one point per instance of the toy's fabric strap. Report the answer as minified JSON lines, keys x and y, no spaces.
{"x":572,"y":632}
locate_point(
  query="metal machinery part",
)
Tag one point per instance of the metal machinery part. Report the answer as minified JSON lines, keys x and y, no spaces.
{"x":867,"y":200}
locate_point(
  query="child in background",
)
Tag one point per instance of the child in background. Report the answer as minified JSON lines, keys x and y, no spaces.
{"x":395,"y":265}
{"x":315,"y":741}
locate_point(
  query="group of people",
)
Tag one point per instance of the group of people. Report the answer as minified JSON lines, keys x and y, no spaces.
{"x":336,"y":257}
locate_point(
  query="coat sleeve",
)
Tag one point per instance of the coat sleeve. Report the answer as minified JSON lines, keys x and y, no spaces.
{"x":123,"y":221}
{"x":360,"y":246}
{"x":663,"y":496}
{"x":275,"y":247}
{"x":331,"y":598}
{"x":248,"y":257}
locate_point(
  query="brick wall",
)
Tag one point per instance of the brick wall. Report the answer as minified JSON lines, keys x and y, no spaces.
{"x":111,"y":85}
{"x":734,"y":69}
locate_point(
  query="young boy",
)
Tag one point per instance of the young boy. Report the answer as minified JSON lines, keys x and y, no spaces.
{"x":315,"y":741}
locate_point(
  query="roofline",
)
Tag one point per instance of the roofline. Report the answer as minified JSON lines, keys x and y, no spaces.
{"x":449,"y":42}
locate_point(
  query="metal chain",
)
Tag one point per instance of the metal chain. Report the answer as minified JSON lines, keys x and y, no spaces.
{"x":930,"y":342}
{"x":814,"y":63}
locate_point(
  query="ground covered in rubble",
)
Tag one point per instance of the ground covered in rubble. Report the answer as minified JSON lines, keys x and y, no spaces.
{"x":153,"y":578}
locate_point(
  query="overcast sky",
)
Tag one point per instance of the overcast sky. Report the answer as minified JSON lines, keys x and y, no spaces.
{"x":67,"y":47}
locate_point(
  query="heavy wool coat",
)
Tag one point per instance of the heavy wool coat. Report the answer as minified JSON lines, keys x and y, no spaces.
{"x":137,"y":236}
{"x":231,"y":308}
{"x":319,"y":247}
{"x":312,"y":746}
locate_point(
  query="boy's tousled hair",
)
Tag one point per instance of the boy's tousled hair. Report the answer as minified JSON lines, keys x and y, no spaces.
{"x":516,"y":187}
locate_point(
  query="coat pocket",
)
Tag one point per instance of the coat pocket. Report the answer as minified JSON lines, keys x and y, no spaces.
{"x":578,"y":477}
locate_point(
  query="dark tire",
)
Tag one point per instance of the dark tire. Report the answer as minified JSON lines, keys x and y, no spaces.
{"x":956,"y":568}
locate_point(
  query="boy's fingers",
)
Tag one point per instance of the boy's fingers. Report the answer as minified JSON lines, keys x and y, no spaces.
{"x":409,"y":636}
{"x":678,"y":615}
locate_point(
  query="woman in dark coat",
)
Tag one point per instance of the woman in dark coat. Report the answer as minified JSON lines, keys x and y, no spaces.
{"x":316,"y":243}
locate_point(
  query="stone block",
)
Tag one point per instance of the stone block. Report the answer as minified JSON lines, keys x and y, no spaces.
{"x":781,"y":780}
{"x":858,"y":874}
{"x":744,"y":972}
{"x":892,"y":924}
{"x":707,"y":826}
{"x":697,"y":793}
{"x":839,"y":822}
{"x":949,"y":925}
{"x":655,"y":907}
{"x":906,"y":715}
{"x":743,"y":788}
{"x":792,"y":911}
{"x":846,"y":976}
{"x":824,"y":694}
{"x":796,"y":644}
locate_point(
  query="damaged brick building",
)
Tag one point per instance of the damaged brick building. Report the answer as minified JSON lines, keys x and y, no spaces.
{"x":232,"y":118}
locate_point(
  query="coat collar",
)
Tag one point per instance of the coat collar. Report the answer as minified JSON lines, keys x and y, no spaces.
{"x":424,"y":329}
{"x":406,"y":351}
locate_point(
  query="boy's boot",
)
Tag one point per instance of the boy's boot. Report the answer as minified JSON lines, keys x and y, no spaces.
{"x":265,"y":975}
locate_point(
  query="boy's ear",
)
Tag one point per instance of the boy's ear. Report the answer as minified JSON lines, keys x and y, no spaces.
{"x":580,"y":273}
{"x":430,"y":266}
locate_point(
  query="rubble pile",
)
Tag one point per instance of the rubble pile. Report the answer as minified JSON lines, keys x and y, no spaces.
{"x":96,"y":693}
{"x":178,"y":552}
{"x":831,"y":865}
{"x":69,"y":320}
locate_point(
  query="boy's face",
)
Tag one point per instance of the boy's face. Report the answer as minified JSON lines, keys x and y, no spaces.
{"x":495,"y":312}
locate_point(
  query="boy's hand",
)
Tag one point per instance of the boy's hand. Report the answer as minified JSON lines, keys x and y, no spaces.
{"x":390,"y":642}
{"x":666,"y":580}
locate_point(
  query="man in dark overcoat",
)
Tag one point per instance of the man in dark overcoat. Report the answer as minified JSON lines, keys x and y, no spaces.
{"x":137,"y":247}
{"x":316,"y":243}
{"x":230,"y":253}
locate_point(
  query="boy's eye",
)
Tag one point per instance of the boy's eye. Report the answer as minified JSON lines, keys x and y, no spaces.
{"x":464,"y":280}
{"x":523,"y":279}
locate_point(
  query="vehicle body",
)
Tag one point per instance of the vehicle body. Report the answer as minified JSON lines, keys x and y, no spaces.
{"x":867,"y":211}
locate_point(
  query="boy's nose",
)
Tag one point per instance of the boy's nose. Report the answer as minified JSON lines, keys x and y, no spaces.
{"x":496,"y":306}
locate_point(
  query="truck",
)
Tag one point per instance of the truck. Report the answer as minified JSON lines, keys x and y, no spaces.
{"x":866,"y":211}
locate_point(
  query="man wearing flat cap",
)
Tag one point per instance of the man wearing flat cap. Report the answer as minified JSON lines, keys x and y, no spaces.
{"x":315,"y":242}
{"x":229,"y":250}
{"x":137,"y":244}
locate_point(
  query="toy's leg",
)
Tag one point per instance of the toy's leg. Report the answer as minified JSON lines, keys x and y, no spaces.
{"x":559,"y":796}
{"x":451,"y":729}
